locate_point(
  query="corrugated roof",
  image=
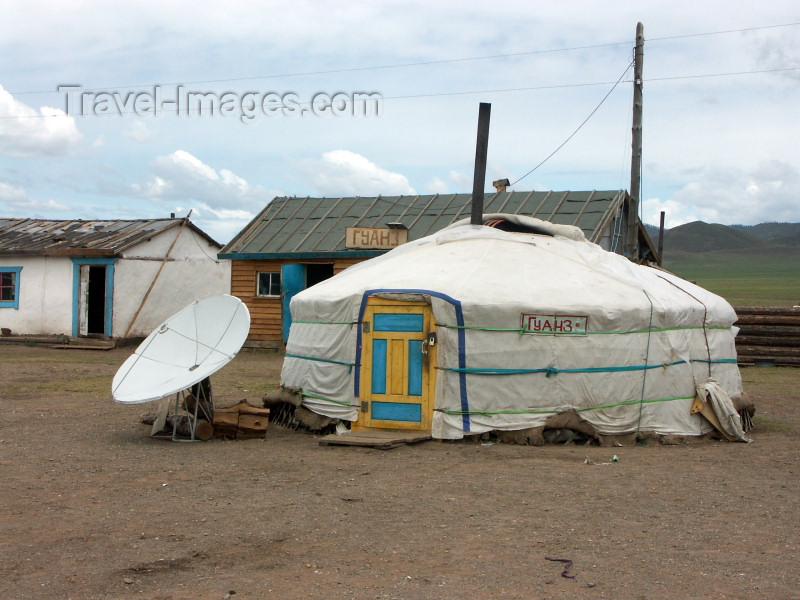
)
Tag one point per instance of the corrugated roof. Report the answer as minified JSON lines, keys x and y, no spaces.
{"x":310,"y":226}
{"x":43,"y":237}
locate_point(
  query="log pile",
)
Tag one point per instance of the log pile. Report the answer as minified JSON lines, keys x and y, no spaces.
{"x":287,"y":412}
{"x":768,"y":336}
{"x":241,"y":421}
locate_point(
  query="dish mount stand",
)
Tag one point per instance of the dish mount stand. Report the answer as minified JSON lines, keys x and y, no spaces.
{"x":191,"y":408}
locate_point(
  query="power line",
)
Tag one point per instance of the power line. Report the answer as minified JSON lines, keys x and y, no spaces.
{"x":428,"y":62}
{"x":461,"y":93}
{"x":730,"y":74}
{"x":591,"y":114}
{"x":355,"y":69}
{"x":689,"y":35}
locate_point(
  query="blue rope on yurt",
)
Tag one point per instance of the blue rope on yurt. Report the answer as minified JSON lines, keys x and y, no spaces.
{"x":462,"y":341}
{"x":726,"y":361}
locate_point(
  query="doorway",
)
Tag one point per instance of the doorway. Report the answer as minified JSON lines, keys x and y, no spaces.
{"x":93,"y":291}
{"x":93,"y":300}
{"x":295,"y":277}
{"x":398,"y":366}
{"x":96,"y":304}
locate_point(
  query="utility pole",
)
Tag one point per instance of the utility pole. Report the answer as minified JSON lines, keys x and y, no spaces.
{"x":479,"y":176}
{"x":632,"y":246}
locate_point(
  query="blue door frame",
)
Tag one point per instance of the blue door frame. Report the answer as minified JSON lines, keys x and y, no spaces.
{"x":109,"y":292}
{"x":293,"y":280}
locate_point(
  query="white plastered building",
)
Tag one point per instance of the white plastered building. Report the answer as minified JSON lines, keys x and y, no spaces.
{"x":103,"y":278}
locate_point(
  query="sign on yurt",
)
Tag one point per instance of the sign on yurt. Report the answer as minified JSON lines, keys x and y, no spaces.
{"x":505,"y":328}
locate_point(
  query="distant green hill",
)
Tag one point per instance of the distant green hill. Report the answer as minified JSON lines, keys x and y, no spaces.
{"x":704,"y":237}
{"x":778,"y":233}
{"x":787,"y":240}
{"x":747,"y":265}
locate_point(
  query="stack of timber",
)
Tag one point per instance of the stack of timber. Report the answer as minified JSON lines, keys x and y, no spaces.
{"x":768,"y":336}
{"x":241,"y":421}
{"x":285,"y":403}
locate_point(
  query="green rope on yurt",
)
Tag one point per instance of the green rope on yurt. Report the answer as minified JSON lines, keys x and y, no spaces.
{"x":325,"y":360}
{"x":548,"y":371}
{"x":705,"y":316}
{"x":324,"y":322}
{"x":521,"y":331}
{"x":644,"y":375}
{"x":490,"y":413}
{"x":324,"y":399}
{"x":555,"y":411}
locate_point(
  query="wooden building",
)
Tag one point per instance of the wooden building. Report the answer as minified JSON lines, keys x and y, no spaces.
{"x":297,"y":242}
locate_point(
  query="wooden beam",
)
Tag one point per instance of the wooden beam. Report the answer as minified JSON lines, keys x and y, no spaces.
{"x":632,"y":246}
{"x":160,"y":268}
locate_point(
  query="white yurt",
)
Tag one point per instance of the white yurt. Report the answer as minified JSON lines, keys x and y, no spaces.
{"x":499,"y":327}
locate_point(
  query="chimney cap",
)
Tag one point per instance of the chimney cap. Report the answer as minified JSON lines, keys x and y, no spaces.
{"x":501,"y":184}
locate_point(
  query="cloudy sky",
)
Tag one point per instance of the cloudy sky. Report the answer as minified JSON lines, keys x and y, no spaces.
{"x":140,"y":109}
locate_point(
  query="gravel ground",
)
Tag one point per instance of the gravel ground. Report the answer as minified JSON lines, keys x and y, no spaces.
{"x":93,"y":508}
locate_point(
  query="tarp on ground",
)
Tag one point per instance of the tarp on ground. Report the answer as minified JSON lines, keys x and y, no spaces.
{"x":641,"y":339}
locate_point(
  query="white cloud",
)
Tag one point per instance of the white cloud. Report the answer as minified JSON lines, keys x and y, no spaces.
{"x":221,"y":201}
{"x":461,"y":182}
{"x":425,"y":139}
{"x":436,"y":186}
{"x":12,"y":194}
{"x":768,"y":192}
{"x":345,"y":173}
{"x":221,"y":225}
{"x":17,"y":202}
{"x":138,"y":131}
{"x":183,"y":177}
{"x":25,"y":133}
{"x":675,"y":213}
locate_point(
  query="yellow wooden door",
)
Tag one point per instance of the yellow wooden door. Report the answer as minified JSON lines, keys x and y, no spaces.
{"x":397,"y":366}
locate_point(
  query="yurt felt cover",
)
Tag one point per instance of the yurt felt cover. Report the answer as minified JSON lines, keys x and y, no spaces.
{"x":650,"y":338}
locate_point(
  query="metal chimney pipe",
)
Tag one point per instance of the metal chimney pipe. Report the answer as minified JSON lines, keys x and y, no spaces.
{"x":479,"y":177}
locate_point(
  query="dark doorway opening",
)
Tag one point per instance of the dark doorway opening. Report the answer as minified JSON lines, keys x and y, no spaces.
{"x":96,"y":309}
{"x":318,"y":272}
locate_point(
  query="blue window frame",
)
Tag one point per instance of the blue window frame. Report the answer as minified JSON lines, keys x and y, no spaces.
{"x":9,"y":287}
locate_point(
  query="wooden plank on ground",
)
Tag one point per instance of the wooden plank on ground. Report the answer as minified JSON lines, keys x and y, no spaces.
{"x":80,"y":347}
{"x":383,"y":440}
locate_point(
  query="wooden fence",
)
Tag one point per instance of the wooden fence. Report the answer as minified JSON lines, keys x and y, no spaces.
{"x":768,"y":336}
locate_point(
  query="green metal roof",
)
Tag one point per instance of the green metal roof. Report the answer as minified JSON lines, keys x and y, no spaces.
{"x":315,"y":227}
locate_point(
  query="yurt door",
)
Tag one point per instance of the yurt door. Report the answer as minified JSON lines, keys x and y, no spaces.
{"x":397,"y":365}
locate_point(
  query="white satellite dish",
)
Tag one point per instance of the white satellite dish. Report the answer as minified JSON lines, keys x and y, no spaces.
{"x":188,"y":347}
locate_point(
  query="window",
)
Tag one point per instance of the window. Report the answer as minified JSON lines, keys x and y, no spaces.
{"x":9,"y":287}
{"x":269,"y":284}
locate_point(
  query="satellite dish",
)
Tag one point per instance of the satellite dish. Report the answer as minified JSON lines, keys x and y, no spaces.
{"x":185,"y":349}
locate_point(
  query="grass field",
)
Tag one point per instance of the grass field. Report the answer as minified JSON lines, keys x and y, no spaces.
{"x":755,"y":278}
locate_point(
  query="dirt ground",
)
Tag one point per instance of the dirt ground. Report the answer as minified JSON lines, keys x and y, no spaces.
{"x":93,"y":508}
